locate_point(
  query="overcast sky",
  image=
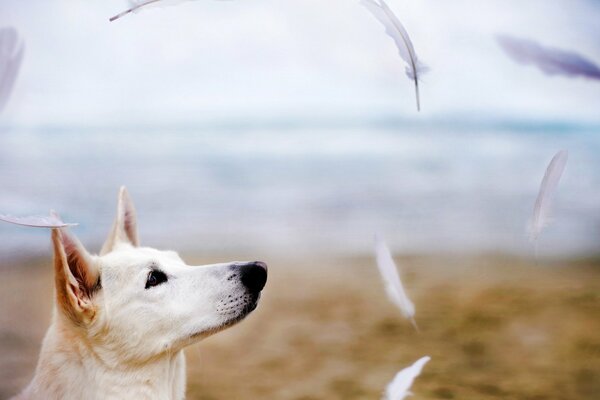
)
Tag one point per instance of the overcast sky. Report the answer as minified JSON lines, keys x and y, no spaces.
{"x":206,"y":59}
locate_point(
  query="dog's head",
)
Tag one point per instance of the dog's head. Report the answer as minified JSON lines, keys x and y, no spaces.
{"x":137,"y":302}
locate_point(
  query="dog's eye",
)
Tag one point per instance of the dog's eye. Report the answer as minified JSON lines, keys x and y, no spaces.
{"x":155,"y":278}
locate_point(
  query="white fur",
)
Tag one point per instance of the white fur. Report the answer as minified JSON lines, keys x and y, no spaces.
{"x":129,"y":342}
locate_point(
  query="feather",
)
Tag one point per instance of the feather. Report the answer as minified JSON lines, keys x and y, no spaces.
{"x":543,"y":203}
{"x":395,"y":29}
{"x":11,"y":55}
{"x":399,"y":387}
{"x":392,"y":282}
{"x":137,"y":5}
{"x":52,"y":221}
{"x":550,"y":60}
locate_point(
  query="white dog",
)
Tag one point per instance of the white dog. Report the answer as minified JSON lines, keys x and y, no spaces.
{"x":123,"y":317}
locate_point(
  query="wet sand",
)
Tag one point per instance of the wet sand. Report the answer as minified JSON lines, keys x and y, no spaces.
{"x":496,"y":328}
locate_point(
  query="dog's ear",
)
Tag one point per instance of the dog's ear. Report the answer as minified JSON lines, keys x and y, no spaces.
{"x":76,"y":277}
{"x":124,"y":229}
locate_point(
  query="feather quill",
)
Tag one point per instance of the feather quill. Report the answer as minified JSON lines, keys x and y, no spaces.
{"x":399,"y":387}
{"x":51,"y":221}
{"x":137,"y":5}
{"x":395,"y":29}
{"x":550,"y":60}
{"x":11,"y":55}
{"x":543,"y":203}
{"x":392,"y":282}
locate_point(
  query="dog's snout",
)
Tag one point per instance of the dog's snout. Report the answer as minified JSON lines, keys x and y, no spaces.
{"x":253,"y":275}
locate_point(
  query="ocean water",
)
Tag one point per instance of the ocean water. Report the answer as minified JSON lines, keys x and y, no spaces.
{"x":443,"y":186}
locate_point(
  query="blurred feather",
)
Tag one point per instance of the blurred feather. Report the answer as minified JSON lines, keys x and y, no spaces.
{"x":392,"y":282}
{"x":550,"y":60}
{"x":395,"y":29}
{"x":52,"y":221}
{"x":543,"y":203}
{"x":399,"y":388}
{"x":136,"y":5}
{"x":11,"y":55}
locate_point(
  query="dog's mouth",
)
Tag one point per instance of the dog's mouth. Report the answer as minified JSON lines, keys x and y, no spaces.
{"x":243,"y":313}
{"x":234,"y":311}
{"x":244,"y":306}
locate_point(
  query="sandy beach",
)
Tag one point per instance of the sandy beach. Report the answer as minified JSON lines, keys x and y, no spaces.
{"x":495,"y":327}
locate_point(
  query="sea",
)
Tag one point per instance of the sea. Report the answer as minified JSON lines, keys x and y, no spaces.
{"x":301,"y":187}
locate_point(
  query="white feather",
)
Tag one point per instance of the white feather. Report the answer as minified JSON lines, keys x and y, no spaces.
{"x":11,"y":55}
{"x":51,"y":221}
{"x":395,"y":29}
{"x":543,"y":203}
{"x":551,"y":61}
{"x":392,"y":282}
{"x":137,"y":5}
{"x":399,"y":388}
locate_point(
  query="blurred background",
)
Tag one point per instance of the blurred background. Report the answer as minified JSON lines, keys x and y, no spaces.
{"x":287,"y":131}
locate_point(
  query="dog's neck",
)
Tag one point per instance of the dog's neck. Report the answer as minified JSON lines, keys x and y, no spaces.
{"x":69,"y":368}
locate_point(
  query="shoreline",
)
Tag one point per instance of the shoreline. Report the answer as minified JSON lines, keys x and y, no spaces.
{"x":324,"y":329}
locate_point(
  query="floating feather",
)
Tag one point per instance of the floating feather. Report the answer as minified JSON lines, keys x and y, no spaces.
{"x":137,"y":5}
{"x":11,"y":55}
{"x":395,"y":29}
{"x":52,"y":221}
{"x":399,"y":388}
{"x":543,"y":203}
{"x":392,"y":282}
{"x":550,"y":60}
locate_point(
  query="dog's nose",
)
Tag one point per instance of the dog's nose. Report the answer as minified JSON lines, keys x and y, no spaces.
{"x":254,"y":275}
